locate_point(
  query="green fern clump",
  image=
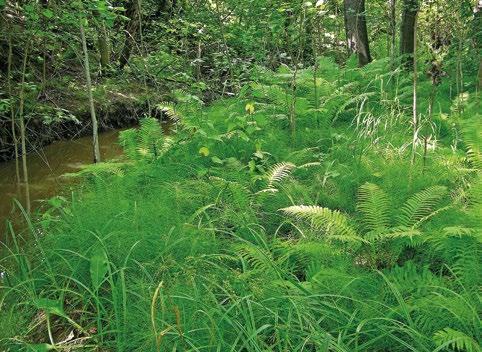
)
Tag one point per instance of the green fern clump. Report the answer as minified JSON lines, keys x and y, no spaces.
{"x":456,"y":340}
{"x":146,"y":143}
{"x":383,"y":235}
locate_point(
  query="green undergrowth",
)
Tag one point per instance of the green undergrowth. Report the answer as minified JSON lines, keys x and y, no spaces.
{"x":238,"y":232}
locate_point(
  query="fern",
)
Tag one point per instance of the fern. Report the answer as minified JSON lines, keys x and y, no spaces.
{"x":420,"y":205}
{"x":333,"y":223}
{"x":392,"y":233}
{"x":374,"y":204}
{"x":168,"y":109}
{"x":456,"y":340}
{"x":303,"y":255}
{"x":101,"y":169}
{"x":260,"y":259}
{"x":382,"y":240}
{"x":279,"y":172}
{"x":147,"y":142}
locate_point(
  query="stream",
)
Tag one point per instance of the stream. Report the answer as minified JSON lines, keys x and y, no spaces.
{"x":45,"y":166}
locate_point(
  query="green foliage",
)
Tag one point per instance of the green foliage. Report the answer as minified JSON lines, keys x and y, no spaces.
{"x":98,"y":267}
{"x":457,"y":340}
{"x":184,"y":246}
{"x":147,"y":142}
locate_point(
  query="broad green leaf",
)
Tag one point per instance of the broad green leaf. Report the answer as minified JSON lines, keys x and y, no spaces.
{"x":50,"y":306}
{"x":216,"y":160}
{"x":98,"y":267}
{"x":42,"y":347}
{"x":48,"y":13}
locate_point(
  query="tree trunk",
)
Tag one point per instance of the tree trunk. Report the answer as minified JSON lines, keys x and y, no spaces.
{"x":104,"y":49}
{"x":12,"y":109}
{"x":23,"y":138}
{"x":479,"y":81}
{"x":393,"y":29}
{"x":478,"y":40}
{"x":356,"y":30}
{"x":407,"y":29}
{"x":415,"y":119}
{"x":95,"y":133}
{"x":130,"y":31}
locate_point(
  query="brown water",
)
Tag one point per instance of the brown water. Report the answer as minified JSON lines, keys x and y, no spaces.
{"x":45,"y":167}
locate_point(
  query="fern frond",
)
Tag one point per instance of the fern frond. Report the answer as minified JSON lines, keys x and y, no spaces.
{"x":393,"y":233}
{"x":166,"y":145}
{"x":268,"y":190}
{"x":145,"y":142}
{"x":302,"y":255}
{"x":401,"y":232}
{"x":467,"y":265}
{"x":100,"y":169}
{"x":168,"y":109}
{"x":374,"y":204}
{"x":420,"y":205}
{"x":258,"y":258}
{"x":334,"y":224}
{"x":458,"y":231}
{"x":456,"y":340}
{"x":308,"y":165}
{"x":279,"y":172}
{"x":474,"y":194}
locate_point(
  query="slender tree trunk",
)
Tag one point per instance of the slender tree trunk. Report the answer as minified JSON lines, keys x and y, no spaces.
{"x":292,"y":108}
{"x":431,"y":101}
{"x":95,"y":133}
{"x":12,"y":109}
{"x":459,"y":74}
{"x":479,"y":81}
{"x":104,"y":48}
{"x":44,"y":69}
{"x":316,"y":39}
{"x":478,"y":43}
{"x":393,"y":30}
{"x":415,"y":120}
{"x":143,"y":52}
{"x":23,"y":137}
{"x":198,"y":59}
{"x":356,"y":30}
{"x":407,"y":29}
{"x":315,"y":88}
{"x":225,"y":45}
{"x":296,"y":57}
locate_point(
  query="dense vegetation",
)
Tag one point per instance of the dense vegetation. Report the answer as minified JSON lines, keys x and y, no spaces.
{"x":304,"y":199}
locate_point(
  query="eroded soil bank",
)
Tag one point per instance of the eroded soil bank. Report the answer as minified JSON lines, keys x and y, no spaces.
{"x":60,"y":110}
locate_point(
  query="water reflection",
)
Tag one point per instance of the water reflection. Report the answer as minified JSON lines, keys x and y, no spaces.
{"x":44,"y":168}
